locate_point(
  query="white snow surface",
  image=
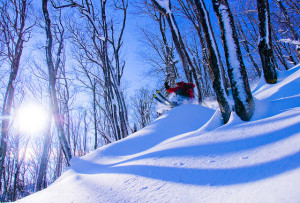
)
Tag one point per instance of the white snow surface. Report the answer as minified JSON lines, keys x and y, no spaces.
{"x":187,"y":155}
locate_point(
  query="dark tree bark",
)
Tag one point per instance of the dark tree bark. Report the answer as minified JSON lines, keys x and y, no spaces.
{"x":265,"y":42}
{"x":169,"y":61}
{"x":290,"y":25}
{"x":213,"y":61}
{"x":14,"y":31}
{"x":85,"y":133}
{"x":191,"y":12}
{"x":288,"y":20}
{"x":163,"y":59}
{"x":52,"y":82}
{"x":192,"y":67}
{"x":103,"y":39}
{"x":247,"y":48}
{"x":58,"y":166}
{"x":94,"y":83}
{"x":244,"y":104}
{"x":41,"y":176}
{"x":177,"y":39}
{"x":142,"y":103}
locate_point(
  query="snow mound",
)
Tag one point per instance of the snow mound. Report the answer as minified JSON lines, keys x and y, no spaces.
{"x":187,"y":155}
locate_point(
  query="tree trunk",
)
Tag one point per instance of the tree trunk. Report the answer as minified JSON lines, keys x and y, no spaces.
{"x":52,"y":81}
{"x":95,"y":115}
{"x":244,"y":104}
{"x":58,"y":167}
{"x":44,"y":159}
{"x":290,"y":25}
{"x":218,"y":84}
{"x":85,"y":133}
{"x":176,"y":36}
{"x":9,"y":96}
{"x":192,"y":13}
{"x":115,"y":106}
{"x":171,"y":69}
{"x":17,"y":167}
{"x":280,"y":54}
{"x":247,"y":48}
{"x":114,"y":97}
{"x":265,"y":42}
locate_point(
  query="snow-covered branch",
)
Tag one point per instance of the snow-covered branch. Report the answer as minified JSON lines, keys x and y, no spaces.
{"x":289,"y":41}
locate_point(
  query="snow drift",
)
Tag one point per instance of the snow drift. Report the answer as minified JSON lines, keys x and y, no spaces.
{"x":186,"y":155}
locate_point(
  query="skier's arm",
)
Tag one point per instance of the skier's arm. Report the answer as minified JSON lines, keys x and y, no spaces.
{"x":171,"y":90}
{"x":167,"y":86}
{"x":190,"y":85}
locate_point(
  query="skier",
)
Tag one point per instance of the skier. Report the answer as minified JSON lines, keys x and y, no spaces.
{"x":184,"y":91}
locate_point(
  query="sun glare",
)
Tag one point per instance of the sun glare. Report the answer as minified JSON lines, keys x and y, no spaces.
{"x":31,"y":119}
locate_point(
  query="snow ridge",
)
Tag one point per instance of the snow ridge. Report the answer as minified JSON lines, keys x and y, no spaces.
{"x":187,"y":155}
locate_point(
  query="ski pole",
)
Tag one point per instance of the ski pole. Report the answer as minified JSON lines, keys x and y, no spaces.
{"x":204,"y":104}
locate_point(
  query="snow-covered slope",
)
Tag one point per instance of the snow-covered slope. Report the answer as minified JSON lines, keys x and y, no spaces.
{"x":188,"y":156}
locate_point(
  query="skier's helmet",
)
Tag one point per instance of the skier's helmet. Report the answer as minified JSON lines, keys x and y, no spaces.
{"x":178,"y":80}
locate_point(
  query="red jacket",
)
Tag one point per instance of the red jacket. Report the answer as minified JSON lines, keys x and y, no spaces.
{"x":183,"y":89}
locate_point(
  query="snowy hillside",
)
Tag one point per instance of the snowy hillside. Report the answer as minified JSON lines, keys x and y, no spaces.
{"x":188,"y":156}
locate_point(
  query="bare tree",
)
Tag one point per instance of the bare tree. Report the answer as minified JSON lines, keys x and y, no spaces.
{"x":265,"y":42}
{"x":189,"y":68}
{"x":245,"y":16}
{"x":43,"y":162}
{"x":142,"y":104}
{"x":218,"y":83}
{"x":200,"y":60}
{"x":288,"y":23}
{"x":245,"y":42}
{"x":89,"y":77}
{"x":76,"y":133}
{"x":244,"y":104}
{"x":85,"y":147}
{"x":63,"y":94}
{"x":15,"y":31}
{"x":52,"y":70}
{"x":288,"y":20}
{"x":58,"y":163}
{"x":163,"y":58}
{"x":165,"y":10}
{"x":102,"y":38}
{"x":12,"y":185}
{"x":192,"y":14}
{"x":19,"y":162}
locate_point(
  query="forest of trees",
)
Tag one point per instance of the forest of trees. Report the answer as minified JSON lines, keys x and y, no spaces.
{"x":69,"y":57}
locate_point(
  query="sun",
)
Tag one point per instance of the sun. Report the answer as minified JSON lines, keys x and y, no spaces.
{"x":31,"y":118}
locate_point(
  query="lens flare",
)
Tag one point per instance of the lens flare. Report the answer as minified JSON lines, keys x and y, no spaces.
{"x":31,"y":119}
